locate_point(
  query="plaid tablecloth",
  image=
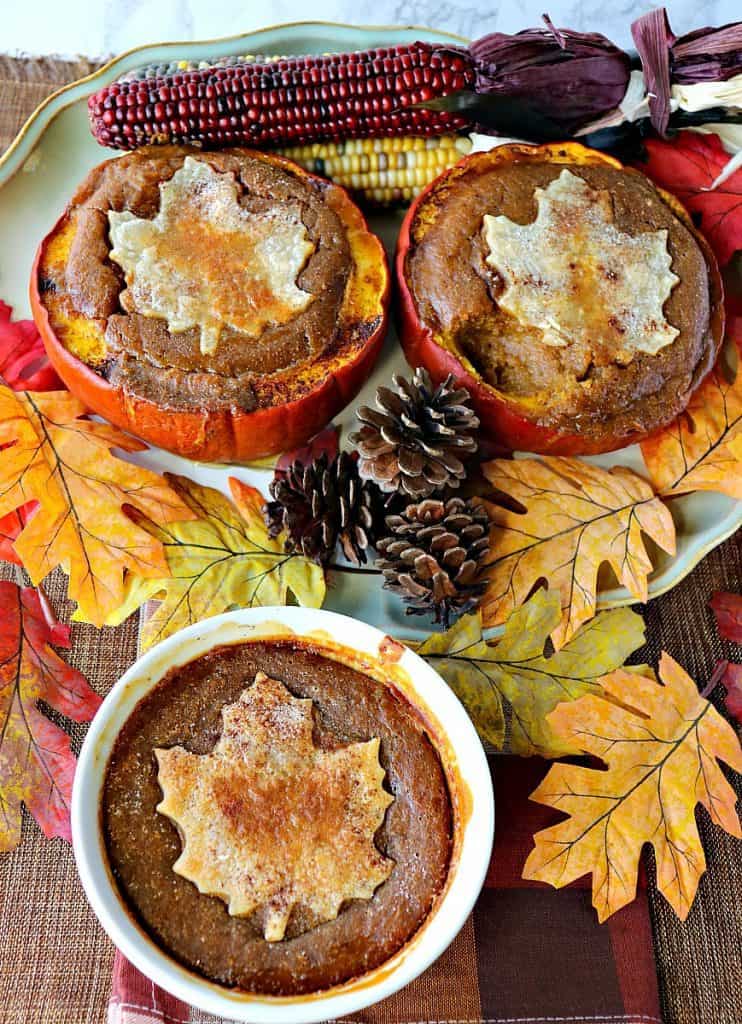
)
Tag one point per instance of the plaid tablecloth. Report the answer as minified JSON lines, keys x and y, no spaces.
{"x":56,"y":964}
{"x":527,"y":954}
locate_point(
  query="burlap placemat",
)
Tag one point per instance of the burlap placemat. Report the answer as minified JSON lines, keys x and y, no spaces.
{"x":55,"y":961}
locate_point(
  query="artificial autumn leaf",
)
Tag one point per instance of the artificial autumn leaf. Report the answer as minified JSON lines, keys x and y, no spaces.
{"x":514,"y":673}
{"x":266,"y":764}
{"x":10,"y":527}
{"x":730,"y":677}
{"x":687,"y":166}
{"x":661,"y":745}
{"x":701,"y":450}
{"x":36,"y":763}
{"x":65,"y":463}
{"x":727,"y":609}
{"x":222,"y":558}
{"x":24,"y":364}
{"x":577,"y":517}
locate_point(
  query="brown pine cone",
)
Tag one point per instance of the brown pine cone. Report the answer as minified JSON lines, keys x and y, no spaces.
{"x":433,"y":555}
{"x":417,"y":438}
{"x":321,"y":503}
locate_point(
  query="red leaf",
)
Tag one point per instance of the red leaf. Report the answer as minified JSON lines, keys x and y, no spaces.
{"x":687,"y":166}
{"x":23,"y":361}
{"x":36,"y":763}
{"x":59,"y":634}
{"x":731,"y":680}
{"x":10,"y":526}
{"x":325,"y":441}
{"x":727,"y":609}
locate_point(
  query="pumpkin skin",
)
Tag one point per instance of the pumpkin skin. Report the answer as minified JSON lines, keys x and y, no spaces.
{"x":509,"y":420}
{"x":303,"y":399}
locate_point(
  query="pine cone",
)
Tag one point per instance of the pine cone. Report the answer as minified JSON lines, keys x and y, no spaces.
{"x":321,"y":503}
{"x":416,"y":438}
{"x":433,"y":555}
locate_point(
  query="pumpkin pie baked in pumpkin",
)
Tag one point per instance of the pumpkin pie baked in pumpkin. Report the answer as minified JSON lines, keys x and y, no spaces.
{"x":276,"y":820}
{"x":574,"y":298}
{"x":222,"y":305}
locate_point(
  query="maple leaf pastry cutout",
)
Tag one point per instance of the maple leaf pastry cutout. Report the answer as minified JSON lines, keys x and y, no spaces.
{"x":206,"y":261}
{"x":576,"y":277}
{"x":269,"y":821}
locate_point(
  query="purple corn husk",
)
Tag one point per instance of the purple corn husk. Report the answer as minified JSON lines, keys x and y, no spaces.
{"x":653,"y":37}
{"x":572,"y":78}
{"x":705,"y":55}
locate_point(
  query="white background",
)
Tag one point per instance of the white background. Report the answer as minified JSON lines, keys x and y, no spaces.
{"x":97,"y":28}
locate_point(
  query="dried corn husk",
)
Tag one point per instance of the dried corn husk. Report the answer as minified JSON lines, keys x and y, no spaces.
{"x":568,"y":78}
{"x":697,"y":71}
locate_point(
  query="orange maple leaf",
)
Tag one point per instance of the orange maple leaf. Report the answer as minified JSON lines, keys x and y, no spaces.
{"x":702,"y":449}
{"x":51,"y":455}
{"x":36,"y":763}
{"x":577,"y":517}
{"x":661,"y":745}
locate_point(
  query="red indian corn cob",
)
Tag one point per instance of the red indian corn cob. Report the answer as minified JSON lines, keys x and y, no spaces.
{"x":290,"y":100}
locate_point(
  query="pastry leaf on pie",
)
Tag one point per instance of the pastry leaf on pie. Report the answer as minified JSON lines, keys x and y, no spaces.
{"x":269,"y":821}
{"x":576,"y":517}
{"x":577,"y":278}
{"x":207,"y":261}
{"x":222,"y":558}
{"x":688,"y":165}
{"x":36,"y":762}
{"x":661,"y":743}
{"x":512,"y":678}
{"x":702,"y":449}
{"x":54,"y":456}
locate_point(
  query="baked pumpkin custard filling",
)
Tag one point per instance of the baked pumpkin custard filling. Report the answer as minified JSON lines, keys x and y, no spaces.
{"x":183,"y":291}
{"x":276,"y":820}
{"x":573,"y":296}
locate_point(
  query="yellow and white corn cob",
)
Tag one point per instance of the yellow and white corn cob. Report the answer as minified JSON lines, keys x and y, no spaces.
{"x":382,"y":171}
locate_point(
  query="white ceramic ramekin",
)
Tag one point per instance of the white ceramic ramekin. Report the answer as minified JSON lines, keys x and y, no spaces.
{"x":466,"y":770}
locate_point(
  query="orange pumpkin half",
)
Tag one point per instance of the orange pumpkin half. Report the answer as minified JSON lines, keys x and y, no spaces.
{"x":231,"y":328}
{"x":537,"y":385}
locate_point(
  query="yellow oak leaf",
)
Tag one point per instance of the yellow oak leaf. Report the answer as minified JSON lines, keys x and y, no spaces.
{"x":577,"y":517}
{"x":268,"y":820}
{"x":509,"y":685}
{"x":222,"y":558}
{"x":661,"y":745}
{"x":702,"y":449}
{"x":52,"y":455}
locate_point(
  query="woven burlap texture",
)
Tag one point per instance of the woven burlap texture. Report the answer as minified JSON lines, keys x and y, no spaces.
{"x":55,"y":961}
